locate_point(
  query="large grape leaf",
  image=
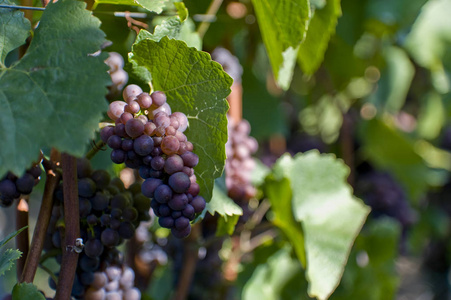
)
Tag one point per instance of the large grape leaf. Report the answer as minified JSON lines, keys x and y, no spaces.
{"x":54,"y":96}
{"x":321,"y":28}
{"x":196,"y":86}
{"x":331,"y":216}
{"x":26,"y":291}
{"x":151,"y":5}
{"x":283,"y":24}
{"x":14,"y":29}
{"x":7,"y":259}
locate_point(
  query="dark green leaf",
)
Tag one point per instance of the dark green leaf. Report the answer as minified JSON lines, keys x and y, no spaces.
{"x":11,"y":236}
{"x":14,"y":30}
{"x":55,"y":95}
{"x":7,"y":259}
{"x":321,"y":28}
{"x":196,"y":86}
{"x":331,"y":216}
{"x":280,"y":195}
{"x":23,"y":291}
{"x":226,"y":225}
{"x":283,"y":25}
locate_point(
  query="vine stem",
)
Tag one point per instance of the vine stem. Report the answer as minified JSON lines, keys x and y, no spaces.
{"x":22,"y":240}
{"x":72,"y":227}
{"x":190,"y":257}
{"x":347,"y":145}
{"x":211,"y":11}
{"x":43,"y":220}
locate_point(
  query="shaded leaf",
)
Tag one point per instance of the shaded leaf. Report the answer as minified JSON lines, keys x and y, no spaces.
{"x":280,"y":195}
{"x":220,"y":203}
{"x":196,"y":86}
{"x":331,"y":216}
{"x":14,"y":30}
{"x":26,"y":291}
{"x":283,"y":25}
{"x":55,"y":95}
{"x":11,"y":236}
{"x":7,"y":260}
{"x":226,"y":225}
{"x":321,"y":28}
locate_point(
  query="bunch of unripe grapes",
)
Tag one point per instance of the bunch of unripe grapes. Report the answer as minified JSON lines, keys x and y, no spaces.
{"x":115,"y":282}
{"x":147,"y":136}
{"x":240,"y":164}
{"x":109,"y":214}
{"x":12,"y":186}
{"x":119,"y":77}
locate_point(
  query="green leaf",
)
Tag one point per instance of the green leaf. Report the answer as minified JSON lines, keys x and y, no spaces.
{"x":182,"y":11}
{"x":429,"y":41}
{"x":55,"y":95}
{"x":220,"y":203}
{"x":196,"y":86}
{"x":400,"y":157}
{"x":11,"y":236}
{"x":331,"y":216}
{"x":26,"y":291}
{"x":283,"y":25}
{"x":321,"y":28}
{"x":269,"y":278}
{"x":151,"y":5}
{"x":395,"y":82}
{"x":7,"y":259}
{"x":280,"y":195}
{"x":226,"y":225}
{"x":432,"y":116}
{"x":14,"y":30}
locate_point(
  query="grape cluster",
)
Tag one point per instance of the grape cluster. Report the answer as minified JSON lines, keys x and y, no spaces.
{"x":239,"y":164}
{"x":118,"y":76}
{"x":148,"y":137}
{"x":109,"y":214}
{"x":385,"y":196}
{"x":12,"y":186}
{"x":113,"y":283}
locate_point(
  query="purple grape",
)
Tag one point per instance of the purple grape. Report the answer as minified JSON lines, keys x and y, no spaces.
{"x":180,"y":234}
{"x":176,"y":214}
{"x":178,"y":202}
{"x":181,"y":222}
{"x":163,"y":194}
{"x":144,"y":100}
{"x":106,"y":132}
{"x":149,"y":186}
{"x":144,"y":172}
{"x":188,"y":211}
{"x":130,"y":214}
{"x":179,"y":182}
{"x":93,"y":248}
{"x":164,"y":210}
{"x":35,"y":171}
{"x":157,"y":163}
{"x":126,"y":230}
{"x":134,"y":128}
{"x":141,"y":202}
{"x":25,"y":184}
{"x":166,"y":222}
{"x":84,"y":206}
{"x":100,"y":201}
{"x":198,"y":204}
{"x":86,"y":187}
{"x":114,"y":142}
{"x":158,"y":98}
{"x":101,"y":178}
{"x":119,"y":201}
{"x":89,"y":264}
{"x":143,"y":145}
{"x":170,"y":145}
{"x":8,"y":188}
{"x":109,"y":237}
{"x":190,"y":159}
{"x":173,"y":164}
{"x":127,"y":145}
{"x":118,"y":156}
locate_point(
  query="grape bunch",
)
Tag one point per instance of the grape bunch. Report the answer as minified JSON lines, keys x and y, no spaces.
{"x":115,"y":282}
{"x":118,"y":76}
{"x":239,"y":164}
{"x":12,"y":186}
{"x":385,"y":196}
{"x":109,"y":214}
{"x":147,"y":136}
